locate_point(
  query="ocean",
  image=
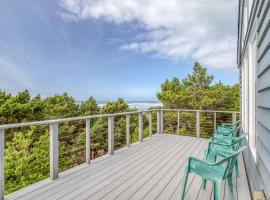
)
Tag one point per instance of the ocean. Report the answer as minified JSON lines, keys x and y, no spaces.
{"x":139,"y":105}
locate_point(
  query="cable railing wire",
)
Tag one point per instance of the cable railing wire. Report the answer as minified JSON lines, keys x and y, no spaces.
{"x":35,"y":163}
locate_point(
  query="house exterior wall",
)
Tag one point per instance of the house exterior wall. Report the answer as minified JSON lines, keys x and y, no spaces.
{"x":254,"y":65}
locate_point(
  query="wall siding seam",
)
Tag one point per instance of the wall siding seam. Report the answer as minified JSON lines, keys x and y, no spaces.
{"x":262,"y":124}
{"x":264,"y":34}
{"x":264,"y":52}
{"x":263,"y":71}
{"x":260,"y":9}
{"x":263,"y":16}
{"x":264,"y":146}
{"x":263,"y":89}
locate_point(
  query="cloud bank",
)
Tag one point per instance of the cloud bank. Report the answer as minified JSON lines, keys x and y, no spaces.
{"x":201,"y":30}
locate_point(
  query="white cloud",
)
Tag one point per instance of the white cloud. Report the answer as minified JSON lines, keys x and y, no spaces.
{"x":203,"y":30}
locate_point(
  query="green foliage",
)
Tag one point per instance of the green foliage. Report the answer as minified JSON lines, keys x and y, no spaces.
{"x":26,"y":159}
{"x":197,"y":91}
{"x":89,"y":107}
{"x":27,"y":149}
{"x":60,"y":106}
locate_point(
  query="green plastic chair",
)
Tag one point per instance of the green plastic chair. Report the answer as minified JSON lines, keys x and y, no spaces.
{"x":215,"y":172}
{"x":227,"y":131}
{"x":223,"y":147}
{"x":230,"y":125}
{"x":227,"y":127}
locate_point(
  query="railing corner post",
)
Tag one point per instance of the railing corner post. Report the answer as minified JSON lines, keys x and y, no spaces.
{"x":54,"y":151}
{"x":197,"y":124}
{"x":2,"y":166}
{"x":87,"y":141}
{"x":110,"y":135}
{"x":140,"y":126}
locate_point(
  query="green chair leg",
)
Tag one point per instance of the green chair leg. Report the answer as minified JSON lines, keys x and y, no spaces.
{"x":236,"y":168}
{"x":184,"y":185}
{"x":204,"y":183}
{"x":217,"y":191}
{"x":230,"y":185}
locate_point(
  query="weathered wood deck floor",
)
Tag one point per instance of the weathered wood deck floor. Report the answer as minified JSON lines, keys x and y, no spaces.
{"x":150,"y":170}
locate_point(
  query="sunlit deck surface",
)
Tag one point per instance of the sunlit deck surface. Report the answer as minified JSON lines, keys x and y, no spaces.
{"x":153,"y":169}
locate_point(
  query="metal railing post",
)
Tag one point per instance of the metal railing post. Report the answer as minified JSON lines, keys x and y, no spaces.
{"x":178,"y":122}
{"x":110,"y":135}
{"x":127,"y":130}
{"x":140,"y":126}
{"x":215,"y":121}
{"x":198,"y":124}
{"x":150,"y":123}
{"x":233,"y":117}
{"x":158,"y":122}
{"x":87,"y":141}
{"x":161,"y":122}
{"x":54,"y":143}
{"x":2,"y":166}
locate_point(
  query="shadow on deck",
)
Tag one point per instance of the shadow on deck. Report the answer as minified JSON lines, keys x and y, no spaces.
{"x":150,"y":170}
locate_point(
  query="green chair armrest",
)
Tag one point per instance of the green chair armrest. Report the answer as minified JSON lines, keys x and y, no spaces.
{"x":194,"y":160}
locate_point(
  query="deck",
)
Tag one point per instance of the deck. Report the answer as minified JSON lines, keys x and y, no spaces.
{"x":149,"y":170}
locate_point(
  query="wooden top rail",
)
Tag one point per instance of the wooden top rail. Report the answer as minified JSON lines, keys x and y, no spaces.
{"x":47,"y":122}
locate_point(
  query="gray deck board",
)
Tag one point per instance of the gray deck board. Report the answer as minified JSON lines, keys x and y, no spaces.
{"x":119,"y":186}
{"x":150,"y":170}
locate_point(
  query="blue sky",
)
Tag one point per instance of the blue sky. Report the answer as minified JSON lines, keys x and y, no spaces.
{"x":109,"y":49}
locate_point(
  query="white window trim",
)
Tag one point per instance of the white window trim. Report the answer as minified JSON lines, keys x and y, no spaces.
{"x":252,"y":79}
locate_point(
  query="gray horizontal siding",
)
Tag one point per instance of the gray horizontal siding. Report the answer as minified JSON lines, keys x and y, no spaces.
{"x":264,"y":156}
{"x":263,"y":65}
{"x":259,"y":170}
{"x":263,"y":99}
{"x":262,"y":15}
{"x":263,"y":116}
{"x":264,"y":80}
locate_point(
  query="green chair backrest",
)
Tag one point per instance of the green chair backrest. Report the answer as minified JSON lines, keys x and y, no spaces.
{"x":229,"y":162}
{"x":238,"y":141}
{"x":237,"y":123}
{"x":233,"y":131}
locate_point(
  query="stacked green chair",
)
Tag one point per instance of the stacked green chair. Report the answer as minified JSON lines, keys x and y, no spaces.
{"x":223,"y":148}
{"x":214,"y":172}
{"x":230,"y":125}
{"x":223,"y":145}
{"x":228,"y":131}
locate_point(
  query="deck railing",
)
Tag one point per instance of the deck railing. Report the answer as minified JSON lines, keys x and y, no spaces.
{"x":161,"y":127}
